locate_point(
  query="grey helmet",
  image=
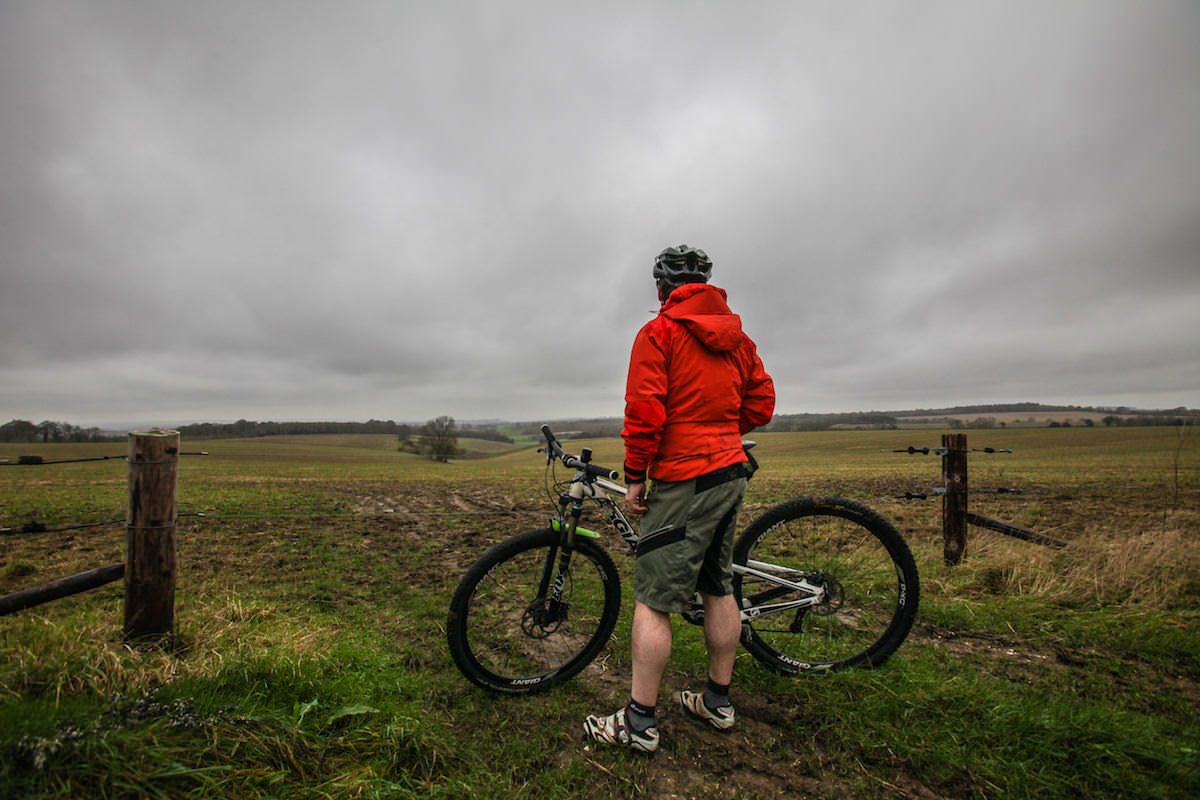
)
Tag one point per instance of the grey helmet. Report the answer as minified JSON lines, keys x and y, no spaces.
{"x":676,"y":266}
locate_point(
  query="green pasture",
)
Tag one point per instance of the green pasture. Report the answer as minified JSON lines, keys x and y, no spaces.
{"x":310,"y":661}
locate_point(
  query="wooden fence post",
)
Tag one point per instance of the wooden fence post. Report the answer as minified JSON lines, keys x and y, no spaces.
{"x":954,"y":502}
{"x":150,"y":535}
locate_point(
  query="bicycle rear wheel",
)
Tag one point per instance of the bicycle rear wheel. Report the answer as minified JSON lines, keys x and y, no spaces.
{"x":506,"y":635}
{"x":865,"y":572}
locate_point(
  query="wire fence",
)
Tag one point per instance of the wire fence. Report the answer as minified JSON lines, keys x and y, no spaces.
{"x":39,"y":461}
{"x":955,"y":491}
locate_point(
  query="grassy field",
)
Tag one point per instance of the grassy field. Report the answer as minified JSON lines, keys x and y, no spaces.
{"x":310,"y":657}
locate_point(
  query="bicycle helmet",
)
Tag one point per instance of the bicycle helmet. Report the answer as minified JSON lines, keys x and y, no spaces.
{"x":676,"y":266}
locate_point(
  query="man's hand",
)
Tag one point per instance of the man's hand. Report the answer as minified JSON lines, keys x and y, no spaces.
{"x":635,"y":498}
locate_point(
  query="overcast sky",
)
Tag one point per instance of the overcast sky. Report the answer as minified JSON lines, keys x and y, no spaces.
{"x":398,"y":210}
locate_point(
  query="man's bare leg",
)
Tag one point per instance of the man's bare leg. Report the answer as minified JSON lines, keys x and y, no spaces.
{"x":651,"y":637}
{"x":722,"y":629}
{"x":633,"y":724}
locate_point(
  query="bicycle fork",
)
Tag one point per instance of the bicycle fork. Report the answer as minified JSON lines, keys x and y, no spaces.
{"x":549,"y":610}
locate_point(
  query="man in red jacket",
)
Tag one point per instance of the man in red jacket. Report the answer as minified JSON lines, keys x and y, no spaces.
{"x":696,"y":385}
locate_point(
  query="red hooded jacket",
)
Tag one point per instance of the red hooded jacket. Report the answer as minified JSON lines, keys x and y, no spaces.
{"x":696,"y":384}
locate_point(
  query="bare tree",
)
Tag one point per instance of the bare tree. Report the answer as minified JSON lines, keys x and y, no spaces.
{"x":50,"y":429}
{"x":439,"y":438}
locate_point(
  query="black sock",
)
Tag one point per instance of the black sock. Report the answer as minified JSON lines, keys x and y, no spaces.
{"x":640,"y":717}
{"x":716,"y":695}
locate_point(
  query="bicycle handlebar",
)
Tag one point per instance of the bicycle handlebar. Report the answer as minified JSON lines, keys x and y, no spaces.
{"x":554,"y":450}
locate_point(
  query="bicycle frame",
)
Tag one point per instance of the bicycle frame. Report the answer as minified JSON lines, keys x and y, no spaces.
{"x":586,"y":487}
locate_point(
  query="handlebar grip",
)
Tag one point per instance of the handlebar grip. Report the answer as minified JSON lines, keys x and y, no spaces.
{"x":553,"y":448}
{"x":604,"y":472}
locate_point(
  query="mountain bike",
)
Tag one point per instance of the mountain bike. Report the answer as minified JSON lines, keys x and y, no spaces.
{"x":822,"y":584}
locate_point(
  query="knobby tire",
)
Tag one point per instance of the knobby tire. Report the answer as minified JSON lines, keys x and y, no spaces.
{"x":502,"y":633}
{"x":870,"y":578}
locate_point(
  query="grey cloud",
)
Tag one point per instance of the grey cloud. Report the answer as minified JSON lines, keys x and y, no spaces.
{"x":219,"y":210}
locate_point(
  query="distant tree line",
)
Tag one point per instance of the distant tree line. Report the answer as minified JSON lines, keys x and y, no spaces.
{"x":823,"y":422}
{"x":488,"y":433}
{"x":1157,"y":418}
{"x":23,"y":430}
{"x":248,"y":428}
{"x":955,"y":418}
{"x":994,"y":408}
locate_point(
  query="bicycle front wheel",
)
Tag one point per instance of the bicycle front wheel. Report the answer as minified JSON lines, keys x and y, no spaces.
{"x":828,"y":584}
{"x":507,"y":634}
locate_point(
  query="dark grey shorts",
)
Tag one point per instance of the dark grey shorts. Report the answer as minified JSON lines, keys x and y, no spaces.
{"x":686,"y":543}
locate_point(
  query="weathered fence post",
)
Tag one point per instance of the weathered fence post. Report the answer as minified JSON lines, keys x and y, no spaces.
{"x":150,"y":535}
{"x":954,"y":502}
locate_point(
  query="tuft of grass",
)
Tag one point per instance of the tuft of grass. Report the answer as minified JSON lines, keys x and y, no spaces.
{"x":1153,"y":569}
{"x":20,"y":569}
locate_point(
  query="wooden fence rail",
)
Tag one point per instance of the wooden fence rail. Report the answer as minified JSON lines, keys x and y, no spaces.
{"x":63,"y":587}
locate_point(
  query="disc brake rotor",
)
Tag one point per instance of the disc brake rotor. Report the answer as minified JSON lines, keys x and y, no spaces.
{"x":543,"y":618}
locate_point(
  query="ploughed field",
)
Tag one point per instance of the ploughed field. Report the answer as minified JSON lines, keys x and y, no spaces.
{"x":310,"y":658}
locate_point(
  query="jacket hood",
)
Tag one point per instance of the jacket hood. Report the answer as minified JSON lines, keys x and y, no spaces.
{"x":701,"y":308}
